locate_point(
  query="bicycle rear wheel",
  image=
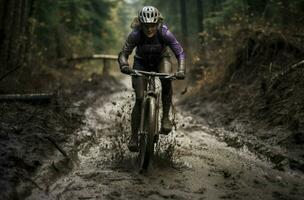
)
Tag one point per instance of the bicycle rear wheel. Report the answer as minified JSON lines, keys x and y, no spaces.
{"x":146,"y":150}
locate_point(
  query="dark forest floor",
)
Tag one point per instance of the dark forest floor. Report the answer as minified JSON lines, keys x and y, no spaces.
{"x":38,"y":135}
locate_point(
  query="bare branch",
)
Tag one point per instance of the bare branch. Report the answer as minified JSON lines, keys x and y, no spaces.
{"x":289,"y":70}
{"x":8,"y":73}
{"x":57,"y":146}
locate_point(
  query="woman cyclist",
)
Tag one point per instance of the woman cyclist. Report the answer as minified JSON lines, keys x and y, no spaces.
{"x":151,"y":39}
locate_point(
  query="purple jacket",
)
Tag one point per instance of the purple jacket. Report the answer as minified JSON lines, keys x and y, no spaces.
{"x":153,"y":48}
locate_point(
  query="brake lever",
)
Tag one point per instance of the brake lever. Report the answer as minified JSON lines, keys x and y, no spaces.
{"x":136,"y":74}
{"x":171,"y":77}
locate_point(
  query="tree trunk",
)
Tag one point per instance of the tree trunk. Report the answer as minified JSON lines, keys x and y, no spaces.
{"x":73,"y":13}
{"x":216,"y":5}
{"x":30,"y":28}
{"x":3,"y":11}
{"x":285,"y":17}
{"x":14,"y":44}
{"x":7,"y":31}
{"x":184,"y":26}
{"x":23,"y":25}
{"x":256,"y":7}
{"x":200,"y":23}
{"x":200,"y":15}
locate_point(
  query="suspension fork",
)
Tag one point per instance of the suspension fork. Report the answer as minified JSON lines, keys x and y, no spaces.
{"x":156,"y":95}
{"x":156,"y":134}
{"x":142,"y":114}
{"x":150,"y":89}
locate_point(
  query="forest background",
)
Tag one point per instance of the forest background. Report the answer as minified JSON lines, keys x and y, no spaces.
{"x":35,"y":35}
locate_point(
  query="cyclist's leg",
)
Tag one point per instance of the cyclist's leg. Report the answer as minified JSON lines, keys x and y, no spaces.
{"x":166,"y":67}
{"x":139,"y":85}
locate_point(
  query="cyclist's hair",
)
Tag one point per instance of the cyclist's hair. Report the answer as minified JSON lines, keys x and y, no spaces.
{"x":135,"y":24}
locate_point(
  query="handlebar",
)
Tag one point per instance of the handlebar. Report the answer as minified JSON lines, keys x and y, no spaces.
{"x":138,"y":73}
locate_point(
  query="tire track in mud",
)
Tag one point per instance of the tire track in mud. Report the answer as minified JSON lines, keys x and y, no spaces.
{"x":189,"y":163}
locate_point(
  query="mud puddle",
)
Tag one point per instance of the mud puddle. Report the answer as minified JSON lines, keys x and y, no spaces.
{"x":190,"y":163}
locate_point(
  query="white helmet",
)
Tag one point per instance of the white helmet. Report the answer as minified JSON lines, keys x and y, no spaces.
{"x":149,"y":14}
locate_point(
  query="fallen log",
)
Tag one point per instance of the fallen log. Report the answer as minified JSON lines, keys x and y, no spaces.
{"x":90,"y":57}
{"x":42,"y":97}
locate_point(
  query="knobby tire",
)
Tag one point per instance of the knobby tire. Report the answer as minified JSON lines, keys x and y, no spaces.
{"x":147,"y":140}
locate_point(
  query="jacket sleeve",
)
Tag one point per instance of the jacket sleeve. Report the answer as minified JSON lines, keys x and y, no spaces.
{"x":177,"y":49}
{"x":174,"y":45}
{"x":127,"y":48}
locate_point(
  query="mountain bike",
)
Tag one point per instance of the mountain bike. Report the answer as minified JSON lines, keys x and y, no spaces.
{"x":149,"y":121}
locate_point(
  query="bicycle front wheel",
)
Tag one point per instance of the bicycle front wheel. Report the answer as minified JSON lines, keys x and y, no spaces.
{"x":147,"y":139}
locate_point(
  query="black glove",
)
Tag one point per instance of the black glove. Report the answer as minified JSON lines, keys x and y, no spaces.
{"x":180,"y":75}
{"x":126,"y":69}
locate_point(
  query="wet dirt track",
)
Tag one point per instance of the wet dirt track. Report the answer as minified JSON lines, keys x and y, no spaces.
{"x":190,"y":163}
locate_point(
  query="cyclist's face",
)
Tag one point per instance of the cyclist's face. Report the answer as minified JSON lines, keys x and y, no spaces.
{"x":149,"y":29}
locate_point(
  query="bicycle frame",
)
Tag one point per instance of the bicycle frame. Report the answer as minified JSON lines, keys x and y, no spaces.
{"x":151,"y":91}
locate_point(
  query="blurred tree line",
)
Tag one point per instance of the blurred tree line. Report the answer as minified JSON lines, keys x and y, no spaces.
{"x":200,"y":17}
{"x":34,"y":32}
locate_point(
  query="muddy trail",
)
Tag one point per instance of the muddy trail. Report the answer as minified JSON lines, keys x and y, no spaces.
{"x":190,"y":163}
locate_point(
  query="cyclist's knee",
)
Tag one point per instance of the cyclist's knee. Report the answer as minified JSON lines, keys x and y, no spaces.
{"x":139,"y":86}
{"x":165,"y":65}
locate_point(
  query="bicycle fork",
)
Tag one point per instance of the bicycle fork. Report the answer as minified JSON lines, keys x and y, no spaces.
{"x":150,"y":90}
{"x":156,"y":134}
{"x":142,"y":116}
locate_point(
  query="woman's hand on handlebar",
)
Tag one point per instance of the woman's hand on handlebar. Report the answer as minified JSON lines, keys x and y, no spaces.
{"x":180,"y":75}
{"x":135,"y":73}
{"x":126,"y":69}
